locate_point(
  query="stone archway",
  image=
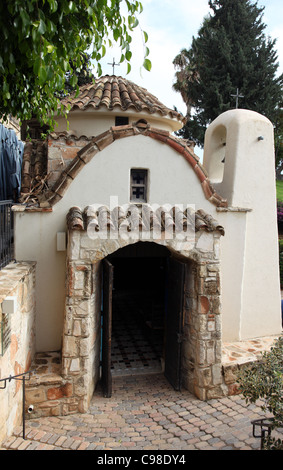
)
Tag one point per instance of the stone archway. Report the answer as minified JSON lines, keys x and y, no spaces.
{"x":201,"y":342}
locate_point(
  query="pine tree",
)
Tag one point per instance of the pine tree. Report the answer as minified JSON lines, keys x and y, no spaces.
{"x":230,"y":53}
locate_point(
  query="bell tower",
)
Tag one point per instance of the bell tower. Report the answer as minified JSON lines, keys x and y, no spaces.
{"x":240,"y":160}
{"x":239,"y":157}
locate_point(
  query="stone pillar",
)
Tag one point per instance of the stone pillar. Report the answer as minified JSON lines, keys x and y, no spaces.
{"x":202,"y":346}
{"x":79,"y":352}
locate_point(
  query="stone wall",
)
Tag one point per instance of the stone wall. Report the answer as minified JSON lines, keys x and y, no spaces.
{"x":62,"y":149}
{"x":17,"y":280}
{"x":201,"y":368}
{"x":202,"y":330}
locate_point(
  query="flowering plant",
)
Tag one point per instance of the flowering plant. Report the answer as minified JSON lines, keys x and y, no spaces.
{"x":280,"y":212}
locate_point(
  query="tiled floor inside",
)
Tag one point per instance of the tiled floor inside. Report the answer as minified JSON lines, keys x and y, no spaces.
{"x":137,"y":335}
{"x":137,"y":338}
{"x":137,"y":342}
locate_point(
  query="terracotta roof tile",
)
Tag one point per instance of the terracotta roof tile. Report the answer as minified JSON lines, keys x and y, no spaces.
{"x":34,"y":167}
{"x":112,"y":91}
{"x":132,"y":217}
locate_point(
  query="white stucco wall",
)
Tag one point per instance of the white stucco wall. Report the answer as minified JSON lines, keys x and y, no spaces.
{"x":95,"y":122}
{"x":172,"y":181}
{"x":232,"y":270}
{"x":249,"y":251}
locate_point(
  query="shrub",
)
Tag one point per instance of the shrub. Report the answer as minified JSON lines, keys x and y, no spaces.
{"x":264,"y":380}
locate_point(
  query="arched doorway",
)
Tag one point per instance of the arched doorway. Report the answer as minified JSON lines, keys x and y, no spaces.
{"x":139,"y":305}
{"x":192,"y":330}
{"x":142,"y":314}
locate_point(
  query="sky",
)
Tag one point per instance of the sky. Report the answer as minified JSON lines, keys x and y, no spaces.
{"x":170,"y":25}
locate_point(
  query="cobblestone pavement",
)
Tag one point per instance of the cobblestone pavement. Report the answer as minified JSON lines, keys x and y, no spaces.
{"x":145,"y":413}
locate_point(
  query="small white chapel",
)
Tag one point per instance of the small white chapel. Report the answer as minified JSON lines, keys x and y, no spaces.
{"x":132,"y":236}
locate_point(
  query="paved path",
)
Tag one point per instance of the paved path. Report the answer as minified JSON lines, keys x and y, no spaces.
{"x":145,"y":414}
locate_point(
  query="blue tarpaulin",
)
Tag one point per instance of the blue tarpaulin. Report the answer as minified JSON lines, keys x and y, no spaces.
{"x":11,"y":157}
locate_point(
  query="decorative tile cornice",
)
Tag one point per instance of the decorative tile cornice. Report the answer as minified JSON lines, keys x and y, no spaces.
{"x":141,"y":217}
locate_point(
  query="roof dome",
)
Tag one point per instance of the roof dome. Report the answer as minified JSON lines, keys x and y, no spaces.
{"x":112,"y":92}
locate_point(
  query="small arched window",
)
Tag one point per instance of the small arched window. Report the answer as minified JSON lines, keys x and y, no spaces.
{"x":217,"y":152}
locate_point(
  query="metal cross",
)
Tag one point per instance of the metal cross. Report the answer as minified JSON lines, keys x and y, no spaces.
{"x":237,"y":96}
{"x":113,"y":65}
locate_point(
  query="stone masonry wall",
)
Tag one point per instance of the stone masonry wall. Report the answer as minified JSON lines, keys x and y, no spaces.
{"x":62,"y":149}
{"x":202,"y":346}
{"x":16,"y":280}
{"x":202,"y":371}
{"x":81,"y":346}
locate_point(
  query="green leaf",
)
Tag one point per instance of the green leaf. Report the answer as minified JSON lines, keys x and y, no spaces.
{"x":99,"y":69}
{"x":103,"y":50}
{"x":42,"y":74}
{"x":135,"y":23}
{"x":36,"y":65}
{"x":25,"y":18}
{"x":42,"y":27}
{"x":53,"y":5}
{"x":73,"y":80}
{"x":128,"y":55}
{"x":12,"y":68}
{"x":98,"y":43}
{"x":50,"y":48}
{"x":5,"y":88}
{"x":50,"y":73}
{"x":116,"y":34}
{"x":147,"y":65}
{"x":145,"y":36}
{"x":45,"y":36}
{"x":72,"y":7}
{"x":65,"y":65}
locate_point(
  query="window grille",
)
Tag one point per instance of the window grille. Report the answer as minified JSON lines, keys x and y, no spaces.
{"x":138,"y":190}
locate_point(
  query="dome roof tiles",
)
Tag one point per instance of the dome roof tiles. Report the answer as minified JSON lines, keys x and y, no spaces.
{"x":112,"y":91}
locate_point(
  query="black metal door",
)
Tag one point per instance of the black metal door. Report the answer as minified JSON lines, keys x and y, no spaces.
{"x":108,"y":271}
{"x":174,"y":322}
